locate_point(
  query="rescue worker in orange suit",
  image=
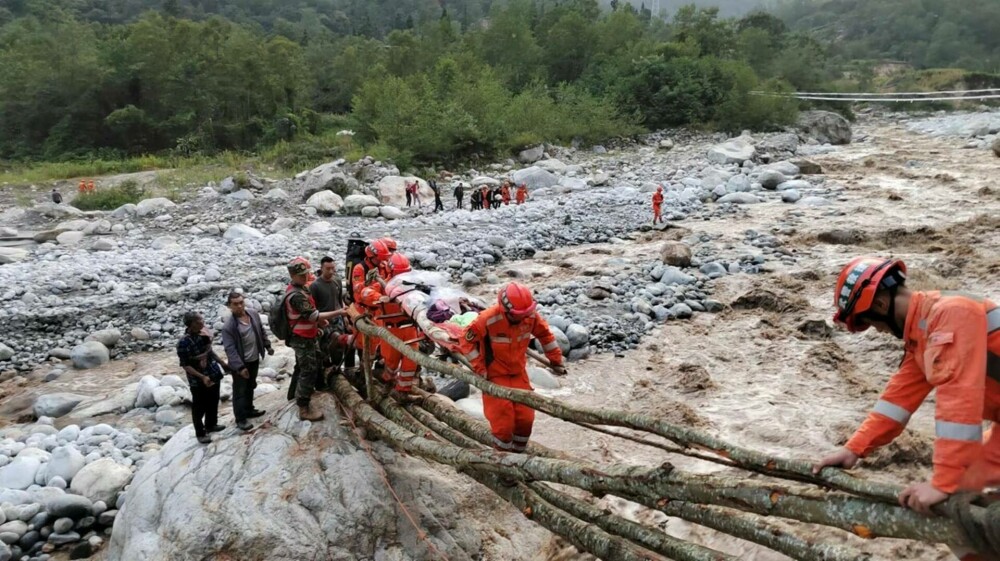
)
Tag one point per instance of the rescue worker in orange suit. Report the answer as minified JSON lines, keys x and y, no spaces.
{"x":496,"y":344}
{"x":364,"y":274}
{"x":952,"y":344}
{"x":505,"y":194}
{"x":522,"y":194}
{"x":657,"y":205}
{"x":487,"y":197}
{"x":82,"y":188}
{"x":390,"y":314}
{"x":90,"y":186}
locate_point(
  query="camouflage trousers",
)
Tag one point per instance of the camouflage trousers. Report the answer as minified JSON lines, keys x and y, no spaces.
{"x":309,"y":364}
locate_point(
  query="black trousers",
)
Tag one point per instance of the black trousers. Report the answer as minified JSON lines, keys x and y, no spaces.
{"x":409,"y":199}
{"x":243,"y":391}
{"x":205,"y":408}
{"x":458,"y":202}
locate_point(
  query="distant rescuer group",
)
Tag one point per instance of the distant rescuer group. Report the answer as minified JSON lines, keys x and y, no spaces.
{"x":951,"y":343}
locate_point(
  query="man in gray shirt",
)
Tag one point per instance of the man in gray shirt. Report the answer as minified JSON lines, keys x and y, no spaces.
{"x":327,"y":290}
{"x":245,"y":342}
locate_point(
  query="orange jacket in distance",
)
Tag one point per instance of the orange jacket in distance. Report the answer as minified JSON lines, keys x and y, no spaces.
{"x":952,"y":344}
{"x":657,"y":199}
{"x":496,"y":347}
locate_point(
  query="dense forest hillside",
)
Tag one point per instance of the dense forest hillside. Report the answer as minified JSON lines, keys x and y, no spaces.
{"x":925,"y":33}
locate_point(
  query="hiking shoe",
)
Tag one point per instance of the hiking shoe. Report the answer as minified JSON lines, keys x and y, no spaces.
{"x":217,"y":428}
{"x":244,"y":425}
{"x":257,"y":413}
{"x":204,"y":439}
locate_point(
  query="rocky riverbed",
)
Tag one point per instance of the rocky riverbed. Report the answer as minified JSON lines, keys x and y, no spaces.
{"x":715,"y":319}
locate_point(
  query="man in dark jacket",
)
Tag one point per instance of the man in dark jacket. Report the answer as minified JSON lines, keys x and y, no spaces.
{"x":204,"y":375}
{"x":438,"y":205}
{"x":245,"y":342}
{"x":459,"y":195}
{"x":328,"y":292}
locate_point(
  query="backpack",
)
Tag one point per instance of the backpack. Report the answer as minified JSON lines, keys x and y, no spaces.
{"x":355,"y":254}
{"x":277,"y":319}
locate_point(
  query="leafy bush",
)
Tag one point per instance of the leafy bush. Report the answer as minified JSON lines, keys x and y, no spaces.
{"x":126,"y":192}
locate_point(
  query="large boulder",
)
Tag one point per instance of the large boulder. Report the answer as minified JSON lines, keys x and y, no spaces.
{"x":107,"y":337}
{"x":552,"y":165}
{"x":89,"y":354}
{"x":370,"y":212}
{"x":735,"y":151}
{"x":392,"y":213}
{"x":145,"y":395}
{"x":535,"y":178}
{"x":326,"y":202}
{"x":392,"y":190}
{"x":6,"y":353}
{"x":20,"y":473}
{"x":354,"y":203}
{"x":70,"y":238}
{"x":242,"y":232}
{"x":294,"y":491}
{"x":10,"y":255}
{"x":101,"y":480}
{"x":825,"y":127}
{"x":676,"y":254}
{"x":327,"y":177}
{"x":152,"y":206}
{"x":781,"y":143}
{"x":54,"y":211}
{"x":770,"y":179}
{"x":56,"y":404}
{"x":531,"y":155}
{"x":66,"y":462}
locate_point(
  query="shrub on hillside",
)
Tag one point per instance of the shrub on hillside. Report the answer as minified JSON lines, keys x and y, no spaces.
{"x":126,"y":192}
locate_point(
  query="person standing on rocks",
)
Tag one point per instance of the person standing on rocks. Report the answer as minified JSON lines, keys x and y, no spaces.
{"x":409,"y":194}
{"x":327,"y":291}
{"x":486,"y":197}
{"x":459,"y":195}
{"x":305,"y":321}
{"x":415,"y":193}
{"x":438,"y":205}
{"x":496,"y":344}
{"x":505,"y":193}
{"x":952,"y":344}
{"x":56,"y":196}
{"x":204,"y":375}
{"x":476,"y":199}
{"x":522,"y":194}
{"x":246,"y":343}
{"x":658,"y":205}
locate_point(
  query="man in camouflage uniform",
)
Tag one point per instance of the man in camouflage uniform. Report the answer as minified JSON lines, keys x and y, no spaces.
{"x":305,"y":322}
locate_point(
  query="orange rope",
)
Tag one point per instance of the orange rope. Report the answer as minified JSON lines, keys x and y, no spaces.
{"x":385,"y":479}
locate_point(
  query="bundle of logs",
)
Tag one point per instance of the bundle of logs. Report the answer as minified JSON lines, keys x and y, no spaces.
{"x":559,"y":492}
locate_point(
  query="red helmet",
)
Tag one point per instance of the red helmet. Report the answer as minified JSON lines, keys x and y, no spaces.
{"x":398,"y":264}
{"x":516,"y":300}
{"x":389,"y":243}
{"x":377,"y":251}
{"x":857,"y":285}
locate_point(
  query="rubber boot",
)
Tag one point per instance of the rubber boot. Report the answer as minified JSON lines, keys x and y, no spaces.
{"x":307,"y":414}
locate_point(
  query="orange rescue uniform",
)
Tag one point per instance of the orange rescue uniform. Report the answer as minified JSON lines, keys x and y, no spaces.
{"x":498,"y":349}
{"x":391,"y":316}
{"x":657,"y":205}
{"x":359,"y":281}
{"x":522,"y":194}
{"x":952,"y":344}
{"x":505,"y":194}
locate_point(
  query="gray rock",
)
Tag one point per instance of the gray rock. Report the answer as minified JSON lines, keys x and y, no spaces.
{"x":673,"y":275}
{"x":578,"y":335}
{"x":370,"y":212}
{"x":788,"y":169}
{"x":541,"y":378}
{"x":104,"y":245}
{"x":16,"y":527}
{"x":29,"y":539}
{"x":681,"y":311}
{"x":392,"y":213}
{"x":826,"y":127}
{"x":151,"y":206}
{"x":101,"y":480}
{"x":56,"y":405}
{"x":20,"y":473}
{"x":561,"y":339}
{"x":242,"y":232}
{"x":535,"y":178}
{"x":5,"y":553}
{"x":276,"y":195}
{"x":139,"y":334}
{"x":107,"y":518}
{"x":62,"y":525}
{"x":354,"y":204}
{"x":470,"y":279}
{"x":107,"y":337}
{"x":6,"y":352}
{"x":794,"y":184}
{"x":63,"y":539}
{"x":10,"y":255}
{"x":790,"y":196}
{"x":815,"y":201}
{"x":326,"y":202}
{"x":770,"y":179}
{"x":69,"y":506}
{"x":89,"y":354}
{"x":739,"y":199}
{"x":713,"y":270}
{"x":738,"y":184}
{"x":70,"y":238}
{"x":780,"y":143}
{"x":734,"y":151}
{"x":579,"y":354}
{"x":531,"y":155}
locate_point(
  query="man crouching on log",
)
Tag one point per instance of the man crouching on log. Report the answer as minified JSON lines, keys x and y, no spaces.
{"x":952,"y":343}
{"x":496,"y":344}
